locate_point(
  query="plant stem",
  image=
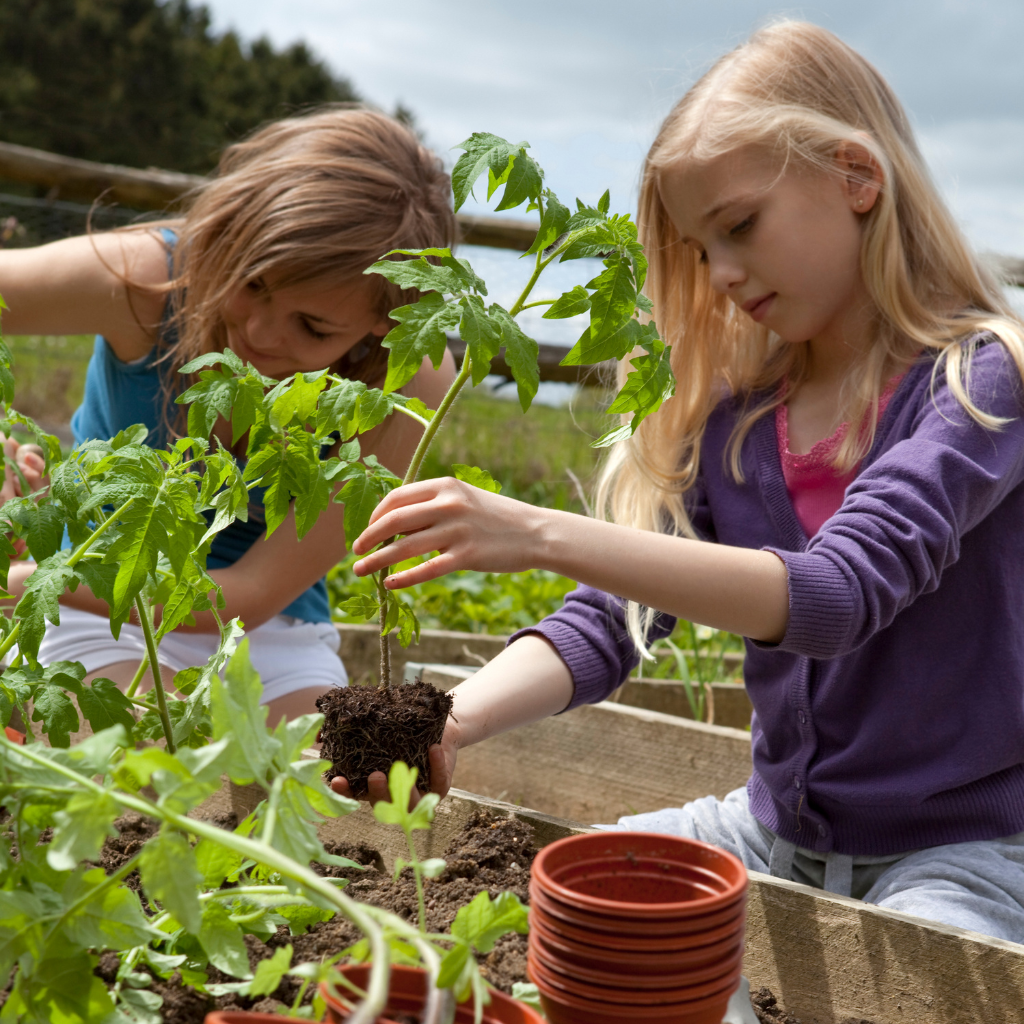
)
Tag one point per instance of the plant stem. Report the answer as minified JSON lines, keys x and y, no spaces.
{"x":417,"y":872}
{"x":377,"y":990}
{"x":538,"y":302}
{"x":105,"y":525}
{"x":442,"y":411}
{"x":158,"y":684}
{"x":385,"y":638}
{"x":143,"y":665}
{"x":11,"y":640}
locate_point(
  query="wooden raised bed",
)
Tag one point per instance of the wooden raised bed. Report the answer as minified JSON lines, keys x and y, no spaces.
{"x":828,"y":959}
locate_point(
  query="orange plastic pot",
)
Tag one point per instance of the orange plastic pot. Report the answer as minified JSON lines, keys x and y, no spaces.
{"x":729,"y":917}
{"x":623,"y":970}
{"x":598,"y":975}
{"x":562,"y":1007}
{"x":677,"y":995}
{"x":639,"y":876}
{"x":732,"y":931}
{"x":408,"y":993}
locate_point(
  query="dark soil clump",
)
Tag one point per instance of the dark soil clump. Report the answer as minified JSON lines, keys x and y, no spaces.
{"x":366,"y":729}
{"x":768,"y":1011}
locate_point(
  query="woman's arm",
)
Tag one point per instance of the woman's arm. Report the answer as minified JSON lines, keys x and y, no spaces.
{"x":737,"y":589}
{"x":79,"y":286}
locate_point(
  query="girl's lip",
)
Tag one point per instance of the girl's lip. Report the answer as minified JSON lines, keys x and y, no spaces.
{"x":758,"y":308}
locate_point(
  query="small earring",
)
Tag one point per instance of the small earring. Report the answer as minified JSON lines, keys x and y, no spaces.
{"x":860,"y":202}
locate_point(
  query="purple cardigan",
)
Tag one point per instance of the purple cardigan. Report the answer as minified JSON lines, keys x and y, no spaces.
{"x":891,"y":715}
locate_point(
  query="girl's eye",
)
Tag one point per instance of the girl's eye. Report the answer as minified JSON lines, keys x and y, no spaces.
{"x":311,"y":330}
{"x":256,"y":286}
{"x":743,"y":227}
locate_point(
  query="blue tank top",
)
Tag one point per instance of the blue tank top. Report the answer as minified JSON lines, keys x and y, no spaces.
{"x":118,"y":395}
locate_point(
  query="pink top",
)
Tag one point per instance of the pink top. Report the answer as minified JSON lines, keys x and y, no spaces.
{"x":815,"y":488}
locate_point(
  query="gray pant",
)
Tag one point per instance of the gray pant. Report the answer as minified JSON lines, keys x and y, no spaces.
{"x":977,"y":885}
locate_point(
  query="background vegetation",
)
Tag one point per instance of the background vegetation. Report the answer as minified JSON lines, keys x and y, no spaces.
{"x":143,"y":83}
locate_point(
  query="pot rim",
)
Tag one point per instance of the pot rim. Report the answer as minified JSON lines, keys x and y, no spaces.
{"x":612,"y":908}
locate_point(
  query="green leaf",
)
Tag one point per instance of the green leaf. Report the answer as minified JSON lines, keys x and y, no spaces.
{"x":421,"y":274}
{"x":169,"y":874}
{"x":223,"y":941}
{"x":523,"y":181}
{"x":521,"y":354}
{"x":610,"y":437}
{"x":363,"y":606}
{"x":613,"y":301}
{"x":483,"y":152}
{"x":81,"y":829}
{"x":41,"y":601}
{"x":482,"y":922}
{"x":420,"y":334}
{"x":477,"y":477}
{"x":227,"y":358}
{"x":650,"y":383}
{"x":401,"y":782}
{"x":336,"y":407}
{"x":270,"y":972}
{"x":527,"y":992}
{"x":481,"y":335}
{"x":104,"y":705}
{"x":604,"y":202}
{"x":110,"y":919}
{"x":298,"y":403}
{"x":569,"y":303}
{"x":53,"y":707}
{"x":452,"y":964}
{"x":552,"y":224}
{"x":587,"y":352}
{"x":216,"y":862}
{"x":236,"y":712}
{"x":360,"y":497}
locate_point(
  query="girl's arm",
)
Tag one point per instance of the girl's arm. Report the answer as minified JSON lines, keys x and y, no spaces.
{"x":736,"y":589}
{"x":78,"y":286}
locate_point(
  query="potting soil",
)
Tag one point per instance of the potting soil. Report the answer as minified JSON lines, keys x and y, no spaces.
{"x":367,"y":728}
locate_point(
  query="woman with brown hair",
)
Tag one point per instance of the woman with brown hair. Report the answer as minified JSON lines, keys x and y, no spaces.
{"x":268,"y":261}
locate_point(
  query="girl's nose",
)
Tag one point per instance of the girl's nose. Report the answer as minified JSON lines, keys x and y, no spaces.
{"x":726,"y":274}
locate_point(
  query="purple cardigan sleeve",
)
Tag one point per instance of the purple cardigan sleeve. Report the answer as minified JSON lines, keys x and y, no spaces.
{"x":902,"y":520}
{"x":589,"y":630}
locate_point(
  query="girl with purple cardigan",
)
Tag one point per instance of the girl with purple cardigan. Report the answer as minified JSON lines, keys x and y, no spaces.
{"x":839,"y":478}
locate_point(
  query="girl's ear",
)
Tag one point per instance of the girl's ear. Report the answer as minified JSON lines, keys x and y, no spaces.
{"x":862,"y":175}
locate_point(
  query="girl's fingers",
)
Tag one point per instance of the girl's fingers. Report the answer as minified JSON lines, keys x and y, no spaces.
{"x":440,"y":565}
{"x":412,"y":546}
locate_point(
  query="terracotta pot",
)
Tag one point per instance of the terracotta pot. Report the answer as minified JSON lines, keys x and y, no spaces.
{"x":247,"y":1017}
{"x":639,"y":876}
{"x":733,"y":931}
{"x":730,"y":916}
{"x":408,"y":992}
{"x":628,"y":998}
{"x":620,"y":971}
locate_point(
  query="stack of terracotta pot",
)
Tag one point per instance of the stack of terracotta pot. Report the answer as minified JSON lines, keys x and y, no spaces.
{"x":634,"y":926}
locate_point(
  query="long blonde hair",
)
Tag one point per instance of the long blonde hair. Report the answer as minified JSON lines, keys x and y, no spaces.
{"x":799,"y":93}
{"x":317,"y":197}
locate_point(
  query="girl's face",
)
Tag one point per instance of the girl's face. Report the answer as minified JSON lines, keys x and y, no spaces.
{"x":784,"y":247}
{"x":285,"y":330}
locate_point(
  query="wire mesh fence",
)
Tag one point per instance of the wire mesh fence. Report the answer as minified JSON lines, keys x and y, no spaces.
{"x":25,"y":220}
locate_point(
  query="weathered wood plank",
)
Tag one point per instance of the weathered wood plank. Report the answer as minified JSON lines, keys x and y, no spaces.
{"x":731,"y":703}
{"x":601,"y":761}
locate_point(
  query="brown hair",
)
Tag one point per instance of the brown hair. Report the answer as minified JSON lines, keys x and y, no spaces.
{"x":317,"y":197}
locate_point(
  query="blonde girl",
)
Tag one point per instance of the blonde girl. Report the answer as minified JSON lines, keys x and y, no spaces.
{"x":268,"y":261}
{"x":839,"y":478}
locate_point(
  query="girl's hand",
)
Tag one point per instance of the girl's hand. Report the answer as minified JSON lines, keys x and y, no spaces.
{"x":442,"y":767}
{"x":471,"y":528}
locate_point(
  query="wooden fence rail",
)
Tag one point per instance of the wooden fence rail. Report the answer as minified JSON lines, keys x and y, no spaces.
{"x":155,"y":189}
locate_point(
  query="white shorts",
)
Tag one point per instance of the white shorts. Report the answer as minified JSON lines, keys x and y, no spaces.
{"x":289,"y":654}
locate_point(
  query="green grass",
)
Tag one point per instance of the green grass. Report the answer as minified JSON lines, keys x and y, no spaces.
{"x":49,"y":375}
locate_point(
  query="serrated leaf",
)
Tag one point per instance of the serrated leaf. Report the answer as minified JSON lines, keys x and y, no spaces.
{"x":53,"y":707}
{"x":270,"y":972}
{"x":216,"y":862}
{"x":298,"y":403}
{"x":104,"y":705}
{"x":521,"y":354}
{"x":362,"y":606}
{"x":523,"y":181}
{"x":41,"y":600}
{"x":586,"y":351}
{"x":227,"y":358}
{"x":421,"y":334}
{"x":223,"y":941}
{"x":610,"y":437}
{"x":613,"y":301}
{"x":482,"y":922}
{"x":111,"y":919}
{"x":169,"y":874}
{"x":80,"y":830}
{"x":569,"y":303}
{"x":483,"y":152}
{"x":336,"y":406}
{"x":452,"y":964}
{"x":421,"y":274}
{"x":476,"y":477}
{"x":481,"y":335}
{"x":553,"y":223}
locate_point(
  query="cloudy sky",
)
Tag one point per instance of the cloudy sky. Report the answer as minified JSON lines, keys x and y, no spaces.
{"x":587,"y":83}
